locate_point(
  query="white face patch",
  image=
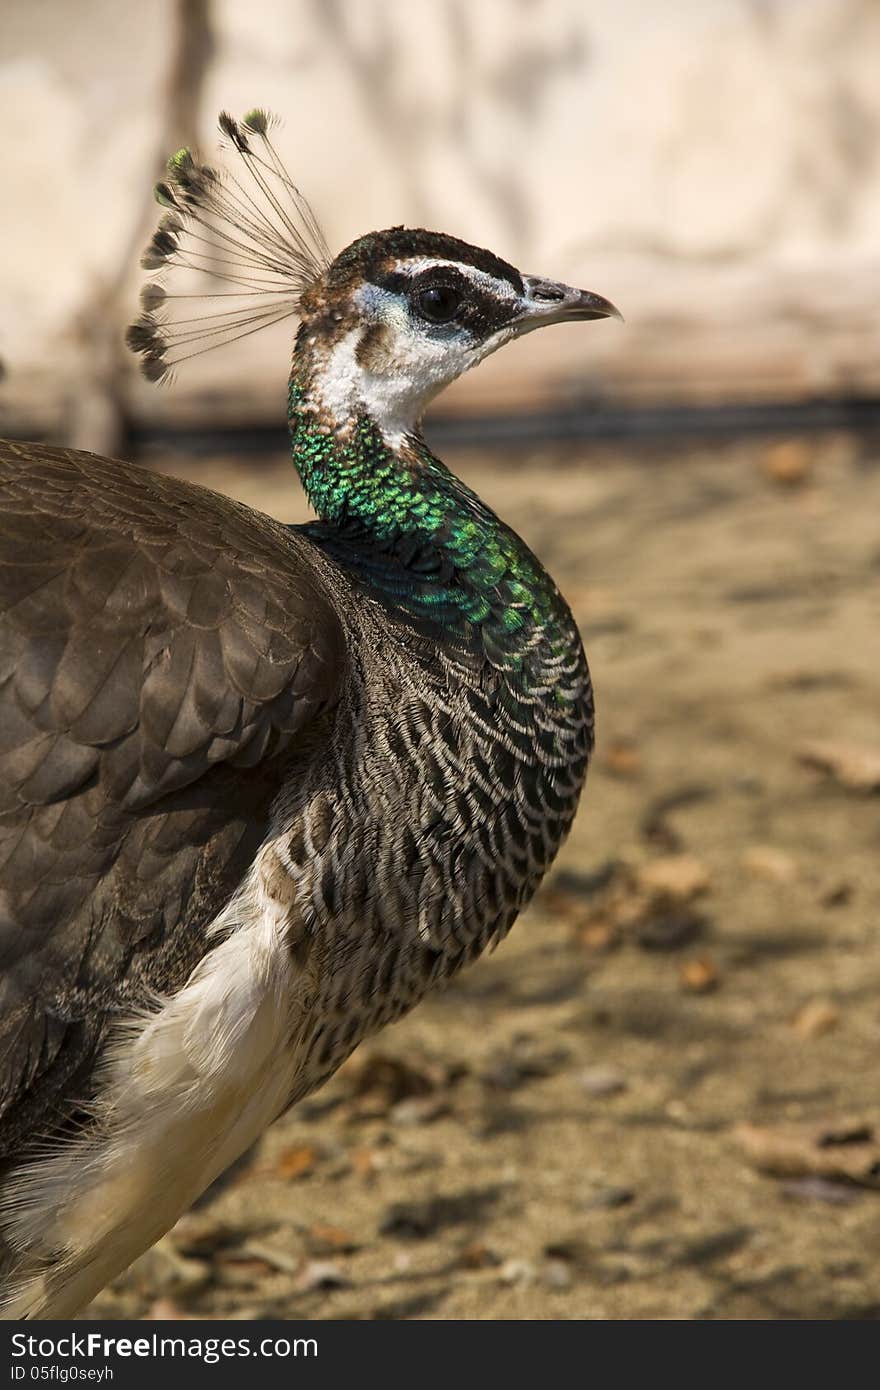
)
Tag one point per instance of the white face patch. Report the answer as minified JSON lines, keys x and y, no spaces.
{"x":418,"y":358}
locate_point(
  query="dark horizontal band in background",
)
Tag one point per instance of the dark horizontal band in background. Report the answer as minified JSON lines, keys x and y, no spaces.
{"x":568,"y":424}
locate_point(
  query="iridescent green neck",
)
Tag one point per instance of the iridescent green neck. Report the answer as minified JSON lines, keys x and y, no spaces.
{"x":405,"y":509}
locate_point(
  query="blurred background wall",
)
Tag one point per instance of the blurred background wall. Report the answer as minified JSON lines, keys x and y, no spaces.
{"x":710,"y":165}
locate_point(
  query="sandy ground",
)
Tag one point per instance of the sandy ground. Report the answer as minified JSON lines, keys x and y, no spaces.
{"x":559,"y":1135}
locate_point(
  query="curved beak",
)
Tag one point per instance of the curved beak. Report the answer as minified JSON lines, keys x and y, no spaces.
{"x":548,"y":301}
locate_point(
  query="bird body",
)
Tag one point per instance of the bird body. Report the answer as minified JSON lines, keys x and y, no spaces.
{"x":264,"y":786}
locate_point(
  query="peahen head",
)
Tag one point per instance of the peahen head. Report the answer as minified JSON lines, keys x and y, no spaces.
{"x":399,"y":314}
{"x":384,"y":326}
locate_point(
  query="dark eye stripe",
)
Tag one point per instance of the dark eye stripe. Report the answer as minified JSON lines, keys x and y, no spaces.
{"x":481,"y":312}
{"x":407,"y":281}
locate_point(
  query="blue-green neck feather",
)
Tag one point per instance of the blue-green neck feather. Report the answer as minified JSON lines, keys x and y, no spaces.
{"x":419,"y":533}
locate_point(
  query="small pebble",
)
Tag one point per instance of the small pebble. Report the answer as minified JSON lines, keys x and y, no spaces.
{"x":837,"y":1194}
{"x":675,"y":877}
{"x":320,"y":1274}
{"x":419,"y":1110}
{"x":519,"y":1272}
{"x":556,"y":1274}
{"x":601,"y":1082}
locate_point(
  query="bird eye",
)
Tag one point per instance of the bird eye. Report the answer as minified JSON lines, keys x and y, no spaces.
{"x":439,"y":304}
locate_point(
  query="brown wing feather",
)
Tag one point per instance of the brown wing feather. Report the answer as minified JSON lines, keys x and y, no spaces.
{"x":161,"y":649}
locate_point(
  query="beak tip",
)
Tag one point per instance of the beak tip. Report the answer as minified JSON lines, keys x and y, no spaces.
{"x":601,"y":307}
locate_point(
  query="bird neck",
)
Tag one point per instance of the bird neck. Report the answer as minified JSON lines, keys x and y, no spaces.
{"x":416,"y":533}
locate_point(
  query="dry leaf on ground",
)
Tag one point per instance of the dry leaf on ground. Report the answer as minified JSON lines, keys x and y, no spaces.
{"x":766,"y":861}
{"x":699,"y":975}
{"x":851,"y":764}
{"x":296,"y":1162}
{"x":816,"y":1017}
{"x":843,"y":1149}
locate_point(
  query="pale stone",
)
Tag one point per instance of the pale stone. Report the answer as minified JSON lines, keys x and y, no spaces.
{"x":677,"y":876}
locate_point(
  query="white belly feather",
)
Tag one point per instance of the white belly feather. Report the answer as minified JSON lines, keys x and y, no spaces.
{"x":187,"y":1088}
